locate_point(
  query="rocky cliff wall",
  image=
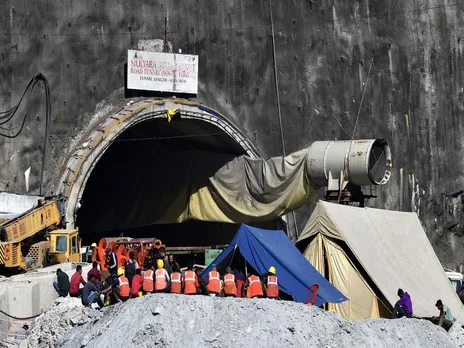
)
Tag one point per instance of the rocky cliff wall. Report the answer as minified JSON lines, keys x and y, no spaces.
{"x":414,"y":97}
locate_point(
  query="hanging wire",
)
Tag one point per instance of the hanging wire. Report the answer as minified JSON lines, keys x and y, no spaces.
{"x":8,"y":115}
{"x":345,"y":165}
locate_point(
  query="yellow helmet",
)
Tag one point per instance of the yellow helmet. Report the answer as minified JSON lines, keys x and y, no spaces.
{"x":272,"y":270}
{"x":159,"y":263}
{"x":94,"y":245}
{"x":120,"y":271}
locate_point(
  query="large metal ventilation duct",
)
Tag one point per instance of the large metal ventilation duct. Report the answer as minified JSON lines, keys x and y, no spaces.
{"x":368,"y":162}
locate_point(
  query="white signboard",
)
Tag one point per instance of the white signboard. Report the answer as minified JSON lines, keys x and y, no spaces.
{"x":162,"y":72}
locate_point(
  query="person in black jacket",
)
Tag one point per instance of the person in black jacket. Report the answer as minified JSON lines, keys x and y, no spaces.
{"x":62,"y":285}
{"x":201,"y":281}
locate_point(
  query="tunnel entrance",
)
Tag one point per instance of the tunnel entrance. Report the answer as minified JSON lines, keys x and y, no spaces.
{"x":145,"y":178}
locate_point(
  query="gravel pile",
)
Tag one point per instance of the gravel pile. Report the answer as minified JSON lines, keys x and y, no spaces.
{"x":201,"y":321}
{"x":66,"y":314}
{"x":173,"y":321}
{"x":457,"y":335}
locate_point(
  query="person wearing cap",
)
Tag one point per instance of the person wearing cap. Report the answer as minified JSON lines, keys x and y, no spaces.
{"x":271,"y":284}
{"x":161,"y":277}
{"x":22,"y":332}
{"x":445,"y":319}
{"x":93,"y":246}
{"x":111,"y":261}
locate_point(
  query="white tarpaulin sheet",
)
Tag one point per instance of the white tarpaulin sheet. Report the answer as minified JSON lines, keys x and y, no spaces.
{"x":394,"y":251}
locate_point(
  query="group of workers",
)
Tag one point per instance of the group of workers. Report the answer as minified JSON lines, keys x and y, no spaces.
{"x":403,"y":308}
{"x":163,"y":275}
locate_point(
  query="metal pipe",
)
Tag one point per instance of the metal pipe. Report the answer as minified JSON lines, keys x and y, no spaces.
{"x":368,"y":162}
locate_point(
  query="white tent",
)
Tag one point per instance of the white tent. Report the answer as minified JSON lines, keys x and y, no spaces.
{"x":369,"y":253}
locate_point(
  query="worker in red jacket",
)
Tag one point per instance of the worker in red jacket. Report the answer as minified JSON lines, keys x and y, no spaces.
{"x":95,"y":272}
{"x":76,"y":281}
{"x":214,"y":282}
{"x":136,"y":286}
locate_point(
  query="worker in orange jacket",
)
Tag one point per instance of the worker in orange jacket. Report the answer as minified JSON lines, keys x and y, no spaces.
{"x":149,"y":280}
{"x":214,"y":282}
{"x":176,"y":280}
{"x":230,"y":288}
{"x":162,"y":279}
{"x":254,"y":286}
{"x":123,"y":285}
{"x":190,"y":284}
{"x":271,"y":284}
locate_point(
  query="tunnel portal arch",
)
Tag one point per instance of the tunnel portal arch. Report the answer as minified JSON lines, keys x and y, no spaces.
{"x":93,"y":146}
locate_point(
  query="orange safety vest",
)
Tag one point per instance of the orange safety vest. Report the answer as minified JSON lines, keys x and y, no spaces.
{"x":161,"y":283}
{"x":229,"y":285}
{"x":214,"y":282}
{"x":272,"y":288}
{"x":190,"y":281}
{"x":254,"y":287}
{"x":148,"y":281}
{"x":176,"y":284}
{"x":124,"y":289}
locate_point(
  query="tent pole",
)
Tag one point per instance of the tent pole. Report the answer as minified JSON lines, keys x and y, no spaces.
{"x":233,"y":254}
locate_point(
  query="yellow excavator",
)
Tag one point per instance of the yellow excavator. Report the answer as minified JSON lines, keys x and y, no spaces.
{"x":35,"y":238}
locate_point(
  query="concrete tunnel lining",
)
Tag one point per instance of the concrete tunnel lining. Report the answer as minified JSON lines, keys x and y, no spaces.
{"x":93,"y":147}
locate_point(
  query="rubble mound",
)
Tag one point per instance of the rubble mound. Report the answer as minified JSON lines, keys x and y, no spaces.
{"x":457,"y":335}
{"x":166,"y":320}
{"x":66,"y":314}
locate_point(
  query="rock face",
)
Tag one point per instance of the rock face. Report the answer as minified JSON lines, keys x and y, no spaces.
{"x":414,"y":96}
{"x":172,"y":321}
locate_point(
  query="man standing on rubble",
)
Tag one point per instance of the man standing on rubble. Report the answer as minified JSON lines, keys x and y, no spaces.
{"x":403,"y":307}
{"x":76,"y":281}
{"x":62,"y":284}
{"x":111,"y":261}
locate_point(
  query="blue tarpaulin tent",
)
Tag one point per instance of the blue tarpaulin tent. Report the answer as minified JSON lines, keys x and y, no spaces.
{"x":265,"y":248}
